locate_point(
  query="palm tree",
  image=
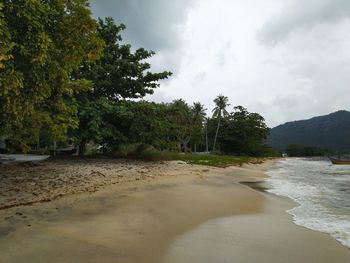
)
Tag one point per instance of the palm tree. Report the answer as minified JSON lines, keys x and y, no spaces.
{"x":219,"y":111}
{"x":206,"y":135}
{"x":181,"y":117}
{"x":198,"y":117}
{"x":198,"y":113}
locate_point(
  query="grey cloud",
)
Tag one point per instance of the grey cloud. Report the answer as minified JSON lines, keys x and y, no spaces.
{"x":152,"y":24}
{"x":302,"y":15}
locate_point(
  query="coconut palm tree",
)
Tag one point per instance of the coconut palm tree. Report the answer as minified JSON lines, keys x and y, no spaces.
{"x":198,"y":113}
{"x":181,"y":118}
{"x":219,"y":111}
{"x":198,"y":117}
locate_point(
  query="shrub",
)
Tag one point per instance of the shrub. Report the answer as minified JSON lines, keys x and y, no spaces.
{"x":149,"y":153}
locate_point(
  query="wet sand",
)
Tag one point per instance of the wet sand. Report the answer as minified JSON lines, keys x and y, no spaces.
{"x":190,"y":214}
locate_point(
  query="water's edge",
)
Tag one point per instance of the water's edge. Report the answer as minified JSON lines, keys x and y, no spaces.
{"x":303,"y":215}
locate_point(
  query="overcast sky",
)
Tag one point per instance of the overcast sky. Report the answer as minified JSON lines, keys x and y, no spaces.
{"x":285,"y":59}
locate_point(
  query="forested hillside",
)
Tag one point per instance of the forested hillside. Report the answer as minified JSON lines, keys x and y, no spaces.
{"x":331,"y":132}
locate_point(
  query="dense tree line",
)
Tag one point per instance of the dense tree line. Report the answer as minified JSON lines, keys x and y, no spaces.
{"x":295,"y":150}
{"x":65,"y":77}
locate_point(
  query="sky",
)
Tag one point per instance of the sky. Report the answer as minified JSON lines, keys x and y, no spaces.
{"x":285,"y":59}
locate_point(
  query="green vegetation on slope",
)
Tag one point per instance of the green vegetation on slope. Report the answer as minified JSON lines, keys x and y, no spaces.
{"x":326,"y":132}
{"x":295,"y":150}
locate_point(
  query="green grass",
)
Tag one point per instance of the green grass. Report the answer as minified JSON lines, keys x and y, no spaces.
{"x":149,"y":153}
{"x":211,"y":160}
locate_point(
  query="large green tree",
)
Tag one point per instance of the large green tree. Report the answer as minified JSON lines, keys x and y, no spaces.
{"x":180,"y":120}
{"x":221,"y":102}
{"x":9,"y":79}
{"x":138,"y":122}
{"x":45,"y":41}
{"x":243,"y":133}
{"x":5,"y":43}
{"x":119,"y":74}
{"x":198,"y":118}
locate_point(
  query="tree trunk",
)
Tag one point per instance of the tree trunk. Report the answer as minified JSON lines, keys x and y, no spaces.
{"x":185,"y":146}
{"x":206,"y":138}
{"x":195,"y":148}
{"x":82,"y":148}
{"x":54,"y":147}
{"x":216,"y":134}
{"x":38,"y":144}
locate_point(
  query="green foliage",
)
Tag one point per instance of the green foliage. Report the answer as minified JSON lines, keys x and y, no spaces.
{"x":120,"y":73}
{"x":173,"y":126}
{"x":295,"y":150}
{"x":164,"y":126}
{"x":329,"y":132}
{"x":138,"y":122}
{"x":242,"y":133}
{"x":44,"y":42}
{"x":180,"y":120}
{"x":267,"y":151}
{"x":210,"y":159}
{"x":149,"y":153}
{"x":125,"y":150}
{"x":117,"y":75}
{"x":198,"y":118}
{"x":5,"y":40}
{"x":221,"y":102}
{"x":63,"y":72}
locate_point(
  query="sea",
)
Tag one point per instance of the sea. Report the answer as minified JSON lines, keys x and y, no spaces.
{"x":321,"y":190}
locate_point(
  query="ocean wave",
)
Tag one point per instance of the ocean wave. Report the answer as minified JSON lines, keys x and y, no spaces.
{"x":322,"y":192}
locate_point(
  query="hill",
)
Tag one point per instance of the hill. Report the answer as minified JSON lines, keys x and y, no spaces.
{"x":330,"y":132}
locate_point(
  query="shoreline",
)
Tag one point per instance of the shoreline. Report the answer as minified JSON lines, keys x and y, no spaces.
{"x":140,"y":220}
{"x":307,"y":213}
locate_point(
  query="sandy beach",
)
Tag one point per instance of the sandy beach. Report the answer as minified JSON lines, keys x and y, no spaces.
{"x":129,"y":211}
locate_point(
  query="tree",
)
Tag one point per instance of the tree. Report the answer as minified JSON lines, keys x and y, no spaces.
{"x":296,"y":150}
{"x":9,"y":79}
{"x":119,"y":74}
{"x":5,"y":41}
{"x":180,"y":121}
{"x":206,"y":135}
{"x":138,"y":122}
{"x":45,"y":42}
{"x":219,"y":111}
{"x":243,"y":133}
{"x":198,"y":117}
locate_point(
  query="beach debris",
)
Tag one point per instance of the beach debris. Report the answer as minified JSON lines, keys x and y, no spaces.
{"x":28,"y":185}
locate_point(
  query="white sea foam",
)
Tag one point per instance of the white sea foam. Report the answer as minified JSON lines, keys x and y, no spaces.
{"x":322,"y":192}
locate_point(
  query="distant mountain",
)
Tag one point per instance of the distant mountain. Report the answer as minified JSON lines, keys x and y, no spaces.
{"x":330,"y":131}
